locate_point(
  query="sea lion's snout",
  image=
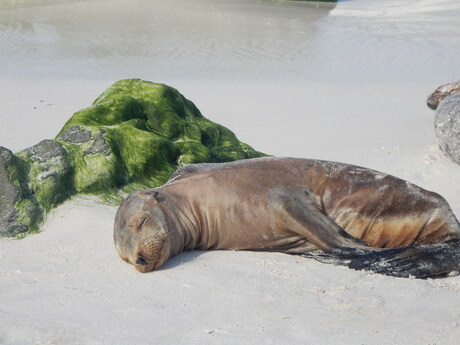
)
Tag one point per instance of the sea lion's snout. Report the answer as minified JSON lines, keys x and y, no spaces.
{"x":141,"y":261}
{"x":143,"y":265}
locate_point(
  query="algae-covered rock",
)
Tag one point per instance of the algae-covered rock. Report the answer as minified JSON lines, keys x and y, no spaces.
{"x":9,"y":195}
{"x":135,"y":135}
{"x":138,"y":133}
{"x":40,"y":177}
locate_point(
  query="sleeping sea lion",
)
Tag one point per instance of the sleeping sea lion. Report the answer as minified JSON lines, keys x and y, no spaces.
{"x":330,"y":211}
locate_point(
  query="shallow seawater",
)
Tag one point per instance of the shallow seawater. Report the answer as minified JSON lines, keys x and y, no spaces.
{"x":392,"y":40}
{"x":348,"y":41}
{"x":207,"y":38}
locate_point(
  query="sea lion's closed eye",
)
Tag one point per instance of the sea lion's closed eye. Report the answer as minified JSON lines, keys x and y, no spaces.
{"x":141,"y":224}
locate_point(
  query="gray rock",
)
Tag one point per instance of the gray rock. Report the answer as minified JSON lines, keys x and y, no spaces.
{"x":99,"y":146}
{"x":49,"y":158}
{"x":50,"y":163}
{"x":43,"y":173}
{"x":76,"y":135}
{"x":441,"y":93}
{"x":45,"y":150}
{"x":447,"y":126}
{"x":9,"y":194}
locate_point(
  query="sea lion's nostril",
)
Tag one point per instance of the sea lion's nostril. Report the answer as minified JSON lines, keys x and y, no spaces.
{"x":141,"y":261}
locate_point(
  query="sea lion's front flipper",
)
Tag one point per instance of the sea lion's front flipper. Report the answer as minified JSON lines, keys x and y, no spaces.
{"x":296,"y":210}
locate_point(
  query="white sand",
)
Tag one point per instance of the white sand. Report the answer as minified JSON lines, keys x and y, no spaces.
{"x":348,"y":85}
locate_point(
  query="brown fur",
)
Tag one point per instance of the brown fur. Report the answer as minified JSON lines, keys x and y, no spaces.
{"x":278,"y":204}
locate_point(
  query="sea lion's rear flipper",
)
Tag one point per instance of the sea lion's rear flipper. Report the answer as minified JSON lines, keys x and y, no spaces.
{"x":419,"y":261}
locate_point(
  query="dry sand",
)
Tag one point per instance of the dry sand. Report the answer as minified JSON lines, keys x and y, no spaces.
{"x":347,"y":83}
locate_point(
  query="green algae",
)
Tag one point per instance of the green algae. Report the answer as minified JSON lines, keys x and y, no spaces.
{"x":28,"y":211}
{"x":134,"y":136}
{"x":151,"y":130}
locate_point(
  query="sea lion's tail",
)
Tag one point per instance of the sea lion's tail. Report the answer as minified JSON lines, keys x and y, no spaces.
{"x":418,"y":261}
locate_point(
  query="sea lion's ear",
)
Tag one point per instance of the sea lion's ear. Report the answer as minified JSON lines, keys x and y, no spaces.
{"x":154,"y":194}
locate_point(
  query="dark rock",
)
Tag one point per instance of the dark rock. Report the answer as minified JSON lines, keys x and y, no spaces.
{"x":447,"y":126}
{"x":50,"y":159}
{"x":49,"y":175}
{"x":441,"y":93}
{"x":99,"y":145}
{"x":9,"y":194}
{"x":46,"y":150}
{"x":76,"y":135}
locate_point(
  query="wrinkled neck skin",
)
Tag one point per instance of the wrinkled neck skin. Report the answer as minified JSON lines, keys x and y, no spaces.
{"x":180,"y":222}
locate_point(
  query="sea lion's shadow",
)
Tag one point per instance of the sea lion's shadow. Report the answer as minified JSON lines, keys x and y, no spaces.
{"x":182,"y":258}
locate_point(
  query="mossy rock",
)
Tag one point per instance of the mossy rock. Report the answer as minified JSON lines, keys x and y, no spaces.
{"x":134,"y":135}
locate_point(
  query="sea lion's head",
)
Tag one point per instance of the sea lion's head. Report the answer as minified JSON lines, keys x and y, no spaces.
{"x":140,"y":233}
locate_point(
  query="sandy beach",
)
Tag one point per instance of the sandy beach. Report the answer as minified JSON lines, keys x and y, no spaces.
{"x":345,"y":82}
